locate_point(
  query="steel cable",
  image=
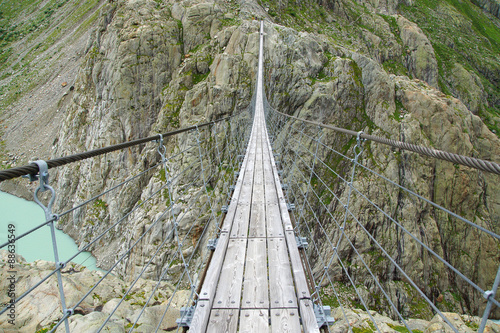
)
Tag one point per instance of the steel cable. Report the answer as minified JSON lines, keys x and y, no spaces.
{"x":472,"y":162}
{"x":57,"y":162}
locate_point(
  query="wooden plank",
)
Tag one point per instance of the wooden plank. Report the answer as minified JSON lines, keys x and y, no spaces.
{"x":223,"y":320}
{"x":200,"y":317}
{"x":228,"y":221}
{"x":213,"y":272}
{"x":257,"y":220}
{"x":285,"y":321}
{"x":299,"y":276}
{"x":270,"y":185}
{"x":309,"y":323}
{"x":287,"y":224}
{"x":241,"y":220}
{"x":258,"y":190}
{"x":255,"y":286}
{"x":254,"y":321}
{"x":229,"y":288}
{"x":273,"y":221}
{"x":281,"y":288}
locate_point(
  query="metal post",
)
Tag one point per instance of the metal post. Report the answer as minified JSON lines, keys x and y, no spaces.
{"x":489,"y":295}
{"x":42,"y":187}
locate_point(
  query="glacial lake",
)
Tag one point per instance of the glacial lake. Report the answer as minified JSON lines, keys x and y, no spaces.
{"x":26,"y":215}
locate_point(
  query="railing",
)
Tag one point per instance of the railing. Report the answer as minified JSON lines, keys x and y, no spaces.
{"x":365,"y":221}
{"x":190,"y":179}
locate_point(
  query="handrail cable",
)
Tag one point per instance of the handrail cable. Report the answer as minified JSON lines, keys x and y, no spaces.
{"x":60,"y":161}
{"x":471,"y":283}
{"x":100,"y":195}
{"x":297,"y":148}
{"x":170,"y":207}
{"x":472,"y":162}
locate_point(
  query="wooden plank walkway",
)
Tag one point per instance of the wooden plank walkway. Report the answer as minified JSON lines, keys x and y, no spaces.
{"x":255,"y":281}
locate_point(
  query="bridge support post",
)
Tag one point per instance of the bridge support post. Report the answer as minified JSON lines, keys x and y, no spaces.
{"x":323,"y":315}
{"x":489,"y":295}
{"x":43,"y":177}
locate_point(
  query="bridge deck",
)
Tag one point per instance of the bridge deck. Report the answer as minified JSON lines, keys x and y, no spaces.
{"x":256,"y":282}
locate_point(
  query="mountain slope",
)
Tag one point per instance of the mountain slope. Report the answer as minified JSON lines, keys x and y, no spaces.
{"x":403,"y":70}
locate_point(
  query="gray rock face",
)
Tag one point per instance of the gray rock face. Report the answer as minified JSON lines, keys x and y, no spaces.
{"x":420,"y":59}
{"x":152,"y":83}
{"x":360,"y":320}
{"x":41,"y":307}
{"x":491,"y":6}
{"x":152,"y":67}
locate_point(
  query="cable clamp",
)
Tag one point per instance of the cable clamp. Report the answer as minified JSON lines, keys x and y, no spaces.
{"x":359,"y":145}
{"x":487,"y":294}
{"x":212,"y":244}
{"x":301,"y":242}
{"x":43,"y":176}
{"x":186,"y":314}
{"x":323,"y":315}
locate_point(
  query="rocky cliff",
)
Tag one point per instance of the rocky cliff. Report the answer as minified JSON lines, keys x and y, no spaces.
{"x":426,"y":72}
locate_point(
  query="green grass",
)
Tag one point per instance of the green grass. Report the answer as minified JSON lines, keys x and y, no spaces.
{"x":402,"y":329}
{"x":25,"y":74}
{"x":480,"y":21}
{"x":460,"y":32}
{"x":197,"y":78}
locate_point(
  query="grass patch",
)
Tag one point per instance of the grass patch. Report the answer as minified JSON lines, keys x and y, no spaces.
{"x":197,"y":78}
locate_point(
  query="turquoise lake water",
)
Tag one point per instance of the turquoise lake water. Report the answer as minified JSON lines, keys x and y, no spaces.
{"x":26,"y":215}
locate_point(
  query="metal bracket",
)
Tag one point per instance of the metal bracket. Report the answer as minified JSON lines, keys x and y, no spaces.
{"x":231,"y":187}
{"x":240,"y":156}
{"x":237,"y":173}
{"x":224,"y":209}
{"x":323,"y":315}
{"x":280,"y":172}
{"x":284,"y":186}
{"x":290,"y":206}
{"x":301,"y":242}
{"x":212,"y":244}
{"x":186,"y":316}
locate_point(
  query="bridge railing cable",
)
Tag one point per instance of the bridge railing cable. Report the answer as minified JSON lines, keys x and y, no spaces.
{"x":348,"y":208}
{"x":483,"y":165}
{"x":192,"y":195}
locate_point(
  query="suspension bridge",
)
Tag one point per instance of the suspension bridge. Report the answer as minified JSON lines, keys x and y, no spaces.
{"x":276,"y":191}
